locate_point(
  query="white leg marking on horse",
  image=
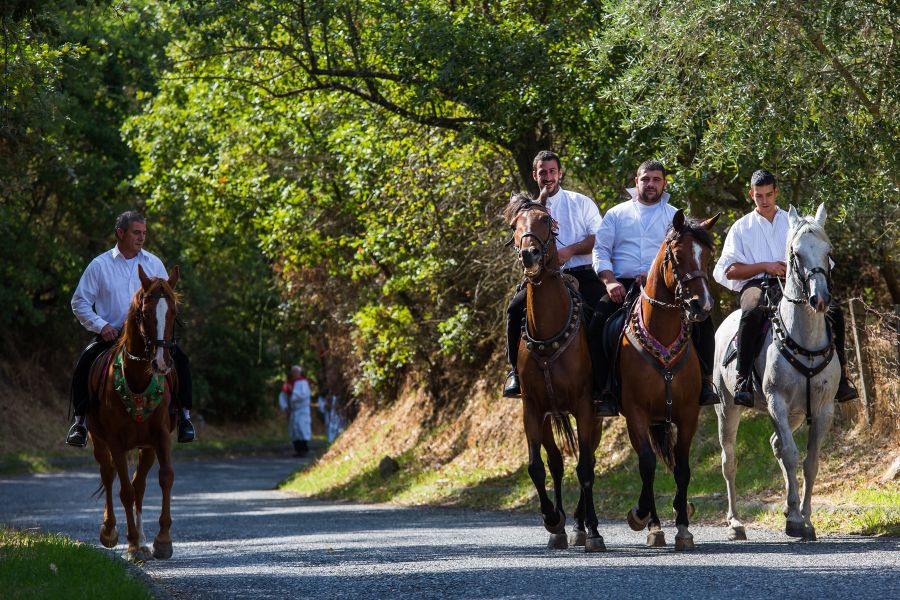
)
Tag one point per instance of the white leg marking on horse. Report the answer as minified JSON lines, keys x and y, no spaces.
{"x":161,"y":308}
{"x":139,"y":525}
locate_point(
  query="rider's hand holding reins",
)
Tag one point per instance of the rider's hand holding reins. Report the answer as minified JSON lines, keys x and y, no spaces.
{"x":776,"y":269}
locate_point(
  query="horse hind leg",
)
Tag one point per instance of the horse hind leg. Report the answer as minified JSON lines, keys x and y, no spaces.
{"x":109,"y":535}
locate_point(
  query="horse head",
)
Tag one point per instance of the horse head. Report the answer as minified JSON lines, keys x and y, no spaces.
{"x":688,"y":248}
{"x":808,"y":267}
{"x":534,"y":235}
{"x":156,"y":310}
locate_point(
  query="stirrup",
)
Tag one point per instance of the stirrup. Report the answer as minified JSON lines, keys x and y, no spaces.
{"x":186,"y":431}
{"x":511,"y":389}
{"x":77,"y":435}
{"x":605,"y":404}
{"x":845,"y":392}
{"x":709,"y":396}
{"x":743,"y":393}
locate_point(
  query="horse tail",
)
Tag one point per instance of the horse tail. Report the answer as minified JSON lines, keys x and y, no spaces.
{"x":662,"y":440}
{"x":562,"y":430}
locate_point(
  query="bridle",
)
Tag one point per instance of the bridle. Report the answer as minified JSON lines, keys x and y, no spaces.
{"x":150,"y":344}
{"x":543,"y":245}
{"x":682,"y":293}
{"x":798,"y":271}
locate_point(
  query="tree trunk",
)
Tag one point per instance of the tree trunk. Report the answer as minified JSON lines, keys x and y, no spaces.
{"x":889,"y":273}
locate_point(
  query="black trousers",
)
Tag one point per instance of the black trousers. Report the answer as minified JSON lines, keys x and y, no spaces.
{"x":702,"y":335}
{"x":78,"y":391}
{"x":589,"y":286}
{"x":753,"y":314}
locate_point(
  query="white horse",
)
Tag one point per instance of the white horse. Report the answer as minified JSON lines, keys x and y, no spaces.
{"x":802,"y":342}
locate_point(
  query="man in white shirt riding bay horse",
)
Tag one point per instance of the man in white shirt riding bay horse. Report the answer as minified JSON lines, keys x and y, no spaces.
{"x":754,"y":250}
{"x":101,"y":302}
{"x":577,"y":219}
{"x":626,"y":244}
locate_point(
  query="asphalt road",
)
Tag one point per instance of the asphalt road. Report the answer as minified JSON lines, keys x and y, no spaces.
{"x":236,"y":537}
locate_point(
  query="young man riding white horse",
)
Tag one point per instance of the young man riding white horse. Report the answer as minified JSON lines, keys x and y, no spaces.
{"x":101,"y":303}
{"x":628,"y":241}
{"x":577,"y":219}
{"x":754,"y":252}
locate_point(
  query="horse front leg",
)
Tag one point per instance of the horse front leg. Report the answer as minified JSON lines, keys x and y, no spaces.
{"x":109,"y":535}
{"x":785,"y":449}
{"x":553,"y":522}
{"x":146,"y":457}
{"x":586,"y":433}
{"x":162,"y":544}
{"x":644,"y":514}
{"x":556,"y":465}
{"x":818,"y":430}
{"x":729,"y":421}
{"x":126,"y":495}
{"x":684,"y":539}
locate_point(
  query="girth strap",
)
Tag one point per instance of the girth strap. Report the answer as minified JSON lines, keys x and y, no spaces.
{"x":668,"y":373}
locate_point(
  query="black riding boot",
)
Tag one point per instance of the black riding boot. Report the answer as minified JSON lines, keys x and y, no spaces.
{"x":78,"y":391}
{"x":748,"y":332}
{"x":514,"y":315}
{"x":186,"y":432}
{"x":604,"y":400}
{"x":846,"y":391}
{"x":705,"y":345}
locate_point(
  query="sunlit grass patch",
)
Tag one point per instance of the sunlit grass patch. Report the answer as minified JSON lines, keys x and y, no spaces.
{"x":40,"y":565}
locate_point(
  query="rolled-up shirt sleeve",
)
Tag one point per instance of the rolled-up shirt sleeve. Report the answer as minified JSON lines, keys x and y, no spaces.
{"x":731,"y":253}
{"x":603,"y":243}
{"x":84,"y":297}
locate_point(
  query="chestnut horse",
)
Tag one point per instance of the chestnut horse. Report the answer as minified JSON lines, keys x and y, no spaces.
{"x":660,"y":372}
{"x":124,"y":418}
{"x":554,"y":368}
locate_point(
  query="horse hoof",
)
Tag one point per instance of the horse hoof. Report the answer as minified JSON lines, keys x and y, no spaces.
{"x":656,"y":539}
{"x":109,"y":539}
{"x":809,"y":534}
{"x":577,"y":538}
{"x":684,"y":543}
{"x":795,"y":529}
{"x":738,"y":534}
{"x":162,"y":550}
{"x":138,"y":555}
{"x":559,"y":526}
{"x":635,"y":522}
{"x":595,"y":544}
{"x":558,"y":541}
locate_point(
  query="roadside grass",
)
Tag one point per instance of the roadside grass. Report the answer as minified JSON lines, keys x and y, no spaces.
{"x":40,"y":565}
{"x":472,"y":479}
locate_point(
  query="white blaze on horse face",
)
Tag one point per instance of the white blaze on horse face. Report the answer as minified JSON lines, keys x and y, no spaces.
{"x":706,"y":300}
{"x":162,"y":307}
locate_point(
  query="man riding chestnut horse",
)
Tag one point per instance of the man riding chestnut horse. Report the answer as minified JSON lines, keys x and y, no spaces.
{"x":101,"y":302}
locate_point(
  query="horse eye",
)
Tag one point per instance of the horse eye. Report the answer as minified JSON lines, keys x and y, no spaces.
{"x":545,"y":219}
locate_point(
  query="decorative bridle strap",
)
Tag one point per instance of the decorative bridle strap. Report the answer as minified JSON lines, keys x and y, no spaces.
{"x":797,"y":269}
{"x":544,"y":245}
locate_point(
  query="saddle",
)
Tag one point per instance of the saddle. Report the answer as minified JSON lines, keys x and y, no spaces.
{"x":613,"y":331}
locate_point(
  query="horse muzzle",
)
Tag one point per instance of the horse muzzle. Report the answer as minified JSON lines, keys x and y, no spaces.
{"x":531,"y":260}
{"x":697,"y":311}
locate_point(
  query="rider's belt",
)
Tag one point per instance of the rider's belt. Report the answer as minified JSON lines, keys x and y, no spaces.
{"x":579,"y":269}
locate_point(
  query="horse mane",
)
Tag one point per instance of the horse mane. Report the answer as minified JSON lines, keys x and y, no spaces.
{"x":156,"y":282}
{"x":518,"y":203}
{"x":693,"y":228}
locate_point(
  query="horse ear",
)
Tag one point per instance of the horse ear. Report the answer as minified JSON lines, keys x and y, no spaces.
{"x":793,"y":217}
{"x":821,"y":215}
{"x":707,"y":224}
{"x":173,"y":278}
{"x":145,"y":281}
{"x":678,"y":220}
{"x":542,"y":197}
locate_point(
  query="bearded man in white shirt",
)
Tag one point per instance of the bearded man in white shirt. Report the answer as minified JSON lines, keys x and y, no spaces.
{"x":627,"y":243}
{"x":755,"y":249}
{"x":101,"y":302}
{"x":577,"y":219}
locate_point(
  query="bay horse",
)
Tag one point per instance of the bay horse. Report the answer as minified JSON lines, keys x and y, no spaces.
{"x":800,"y":374}
{"x":554,"y":368}
{"x":660,"y":373}
{"x":133,"y":383}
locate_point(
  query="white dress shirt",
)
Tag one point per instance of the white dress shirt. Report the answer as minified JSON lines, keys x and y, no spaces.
{"x":752,"y":239}
{"x":631,"y":235}
{"x":578,"y":217}
{"x":104,"y":293}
